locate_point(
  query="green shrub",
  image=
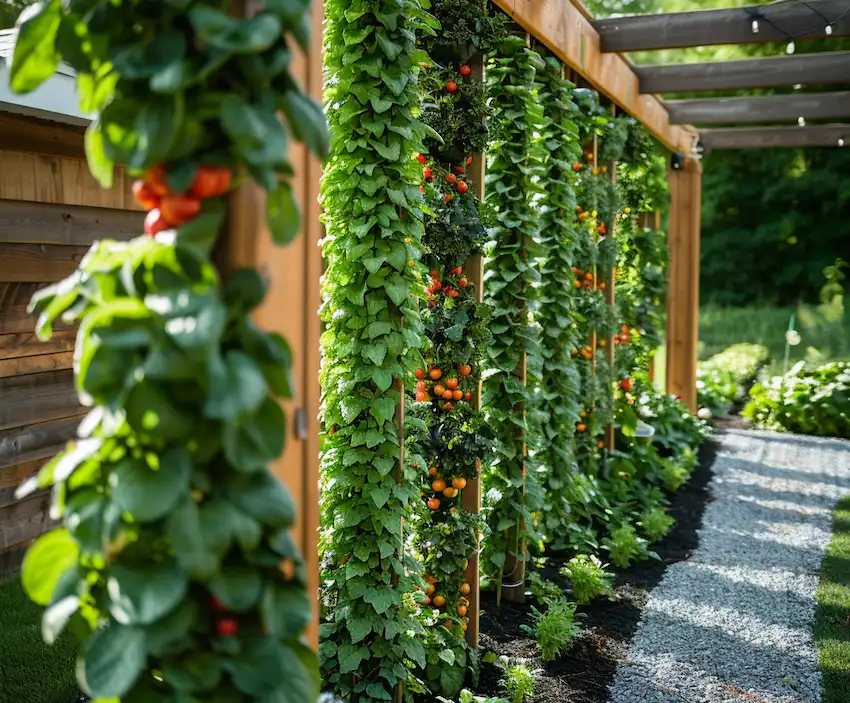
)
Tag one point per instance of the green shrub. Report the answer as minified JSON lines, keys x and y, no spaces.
{"x":625,"y":546}
{"x":806,"y":401}
{"x":676,"y":471}
{"x":724,"y":379}
{"x":588,"y":578}
{"x":519,"y":682}
{"x":556,"y":629}
{"x":542,"y":589}
{"x":656,"y":523}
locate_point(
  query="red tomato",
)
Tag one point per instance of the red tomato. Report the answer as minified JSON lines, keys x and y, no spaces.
{"x":145,"y":195}
{"x":178,"y":209}
{"x":154,"y":222}
{"x":421,"y":159}
{"x":462,"y":186}
{"x":451,"y":86}
{"x":211,"y":182}
{"x":155,"y":178}
{"x":227,"y":627}
{"x":465,"y":70}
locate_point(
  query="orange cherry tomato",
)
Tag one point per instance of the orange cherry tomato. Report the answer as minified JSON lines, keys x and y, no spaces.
{"x":435,"y":374}
{"x":464,"y":369}
{"x":451,"y":383}
{"x":430,"y":590}
{"x":467,"y":396}
{"x":462,"y":610}
{"x":178,"y":209}
{"x":459,"y":483}
{"x":434,"y":503}
{"x":155,"y":179}
{"x":457,"y":394}
{"x":448,"y":406}
{"x":421,"y":397}
{"x":448,"y":395}
{"x":438,"y":486}
{"x":211,"y":182}
{"x":462,"y":186}
{"x":581,"y":427}
{"x":439,"y":601}
{"x":439,"y":390}
{"x":145,"y":195}
{"x":465,"y":589}
{"x":431,"y":579}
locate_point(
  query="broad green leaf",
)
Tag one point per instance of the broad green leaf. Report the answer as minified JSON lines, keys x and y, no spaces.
{"x":237,"y":587}
{"x":113,"y":659}
{"x":283,"y":214}
{"x":307,"y":121}
{"x":140,"y":595}
{"x":35,"y":58}
{"x":149,"y":494}
{"x":255,"y":441}
{"x":186,"y":533}
{"x":236,"y":386}
{"x":264,"y":497}
{"x":285,"y":611}
{"x":45,"y":562}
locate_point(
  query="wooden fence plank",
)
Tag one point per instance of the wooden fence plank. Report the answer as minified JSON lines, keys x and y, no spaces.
{"x":24,"y":520}
{"x":44,"y":223}
{"x":36,"y":364}
{"x":41,"y":137}
{"x":32,"y":442}
{"x":23,"y":344}
{"x":14,"y":476}
{"x":27,"y":263}
{"x":51,"y":396}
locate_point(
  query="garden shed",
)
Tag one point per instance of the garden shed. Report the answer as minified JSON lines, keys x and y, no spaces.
{"x":51,"y":210}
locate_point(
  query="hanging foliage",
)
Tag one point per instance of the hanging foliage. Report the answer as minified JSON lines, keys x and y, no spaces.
{"x":168,"y":566}
{"x":516,"y":126}
{"x":373,"y":214}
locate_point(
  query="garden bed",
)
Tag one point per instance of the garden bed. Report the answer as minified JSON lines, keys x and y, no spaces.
{"x":585,"y":672}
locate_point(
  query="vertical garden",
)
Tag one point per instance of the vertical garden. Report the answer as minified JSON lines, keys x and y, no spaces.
{"x":492,"y":301}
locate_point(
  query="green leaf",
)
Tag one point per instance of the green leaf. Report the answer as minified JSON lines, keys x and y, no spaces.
{"x":173,"y":628}
{"x":376,"y":353}
{"x":149,"y":495}
{"x":283,"y":215}
{"x":35,"y":58}
{"x":286,"y":611}
{"x":379,"y":495}
{"x":150,"y":411}
{"x":264,"y":497}
{"x":56,"y":617}
{"x":223,"y":524}
{"x":383,"y":409}
{"x":307,"y":122}
{"x":186,"y":534}
{"x":380,"y":598}
{"x":397,"y":288}
{"x":237,"y":587}
{"x":236,"y":386}
{"x":197,"y":671}
{"x":101,"y":166}
{"x":45,"y":562}
{"x":113,"y":659}
{"x":302,"y":677}
{"x":140,"y":595}
{"x":262,"y":666}
{"x":252,"y":35}
{"x":259,"y":439}
{"x":256,"y":131}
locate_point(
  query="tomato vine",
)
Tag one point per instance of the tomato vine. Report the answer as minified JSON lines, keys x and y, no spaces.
{"x":168,"y":566}
{"x":372,"y":209}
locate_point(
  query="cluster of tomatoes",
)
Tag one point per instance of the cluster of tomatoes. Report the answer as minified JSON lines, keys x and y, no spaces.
{"x":446,"y":389}
{"x":586,"y":279}
{"x":167,"y":209}
{"x":439,"y":486}
{"x":439,"y":601}
{"x":586,"y":352}
{"x":624,"y":337}
{"x":452,"y":86}
{"x":448,"y":290}
{"x":581,"y":425}
{"x":225,"y":625}
{"x":583,"y":215}
{"x":451,"y":177}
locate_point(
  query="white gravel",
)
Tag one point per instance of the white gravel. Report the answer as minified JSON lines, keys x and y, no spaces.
{"x":734,"y":622}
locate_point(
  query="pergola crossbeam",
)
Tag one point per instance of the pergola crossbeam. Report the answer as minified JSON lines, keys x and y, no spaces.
{"x":804,"y":69}
{"x":776,"y":22}
{"x":773,"y":108}
{"x":775,"y":137}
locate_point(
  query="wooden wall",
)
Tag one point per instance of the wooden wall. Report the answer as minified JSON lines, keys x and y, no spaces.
{"x":51,"y":210}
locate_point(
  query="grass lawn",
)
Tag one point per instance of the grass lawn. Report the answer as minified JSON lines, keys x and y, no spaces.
{"x":822,"y":340}
{"x":832,"y":625}
{"x":30,"y":671}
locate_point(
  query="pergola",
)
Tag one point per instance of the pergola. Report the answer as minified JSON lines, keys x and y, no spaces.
{"x":597,"y":50}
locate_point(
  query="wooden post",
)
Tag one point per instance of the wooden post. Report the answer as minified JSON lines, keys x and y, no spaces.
{"x":471,"y":496}
{"x":292,"y":274}
{"x":650,"y":220}
{"x":610,"y":435}
{"x":683,"y":290}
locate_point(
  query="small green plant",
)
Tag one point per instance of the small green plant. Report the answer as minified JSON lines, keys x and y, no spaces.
{"x":656,"y":523}
{"x":543,"y":589}
{"x":625,"y":546}
{"x":518,"y":681}
{"x":467,"y":696}
{"x":556,"y":629}
{"x":588,"y":578}
{"x":675,"y":472}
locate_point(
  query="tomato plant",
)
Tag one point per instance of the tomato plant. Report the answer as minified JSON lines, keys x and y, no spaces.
{"x":175,"y":565}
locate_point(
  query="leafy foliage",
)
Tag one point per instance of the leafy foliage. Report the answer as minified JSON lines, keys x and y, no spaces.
{"x":656,"y":523}
{"x":725,"y":378}
{"x":372,"y":342}
{"x":625,"y":546}
{"x":813,"y":401}
{"x":519,"y":682}
{"x":588,"y":578}
{"x":555,"y":629}
{"x":168,"y":566}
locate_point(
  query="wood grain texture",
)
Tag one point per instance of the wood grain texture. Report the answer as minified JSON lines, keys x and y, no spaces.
{"x":564,"y":29}
{"x":22,"y":344}
{"x":20,"y":133}
{"x":60,"y":180}
{"x":773,"y":137}
{"x":24,"y":520}
{"x":36,"y":364}
{"x":12,"y":558}
{"x":763,"y":109}
{"x":806,"y":69}
{"x":33,"y":442}
{"x":45,"y":223}
{"x":676,"y":30}
{"x":14,"y":318}
{"x":13,"y":476}
{"x":27,"y":263}
{"x":46,"y":397}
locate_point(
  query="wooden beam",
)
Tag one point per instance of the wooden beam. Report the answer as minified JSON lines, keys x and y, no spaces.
{"x":771,"y":108}
{"x":31,"y":403}
{"x":36,"y":442}
{"x":826,"y":68}
{"x":775,"y":137}
{"x":27,"y":222}
{"x":563,"y":27}
{"x":41,"y":137}
{"x":30,"y":263}
{"x":733,"y":26}
{"x":22,"y":344}
{"x":683,"y":274}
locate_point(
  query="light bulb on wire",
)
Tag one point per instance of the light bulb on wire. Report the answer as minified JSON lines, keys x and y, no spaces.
{"x":801,"y":121}
{"x":790,"y":48}
{"x":755,"y":26}
{"x":828,"y":30}
{"x":840,"y":141}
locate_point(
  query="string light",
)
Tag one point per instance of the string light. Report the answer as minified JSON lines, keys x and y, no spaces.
{"x":840,"y":141}
{"x":798,"y":86}
{"x":828,"y":30}
{"x":755,"y":26}
{"x":790,"y":48}
{"x":801,"y":121}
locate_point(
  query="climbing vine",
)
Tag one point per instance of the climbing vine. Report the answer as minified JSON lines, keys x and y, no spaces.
{"x":372,"y":209}
{"x":168,"y":566}
{"x":510,"y":285}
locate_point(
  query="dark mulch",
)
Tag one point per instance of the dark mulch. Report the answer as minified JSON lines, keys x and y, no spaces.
{"x":585,"y":672}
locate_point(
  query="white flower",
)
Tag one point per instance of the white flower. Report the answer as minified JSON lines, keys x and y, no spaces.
{"x":704,"y":413}
{"x":792,"y":338}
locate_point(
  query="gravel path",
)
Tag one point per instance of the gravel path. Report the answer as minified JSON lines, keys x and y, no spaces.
{"x":734,"y":622}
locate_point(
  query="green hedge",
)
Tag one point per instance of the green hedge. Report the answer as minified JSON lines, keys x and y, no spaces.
{"x":724,"y":379}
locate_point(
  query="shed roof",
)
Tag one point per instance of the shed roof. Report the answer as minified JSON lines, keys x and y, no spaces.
{"x":55,"y":99}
